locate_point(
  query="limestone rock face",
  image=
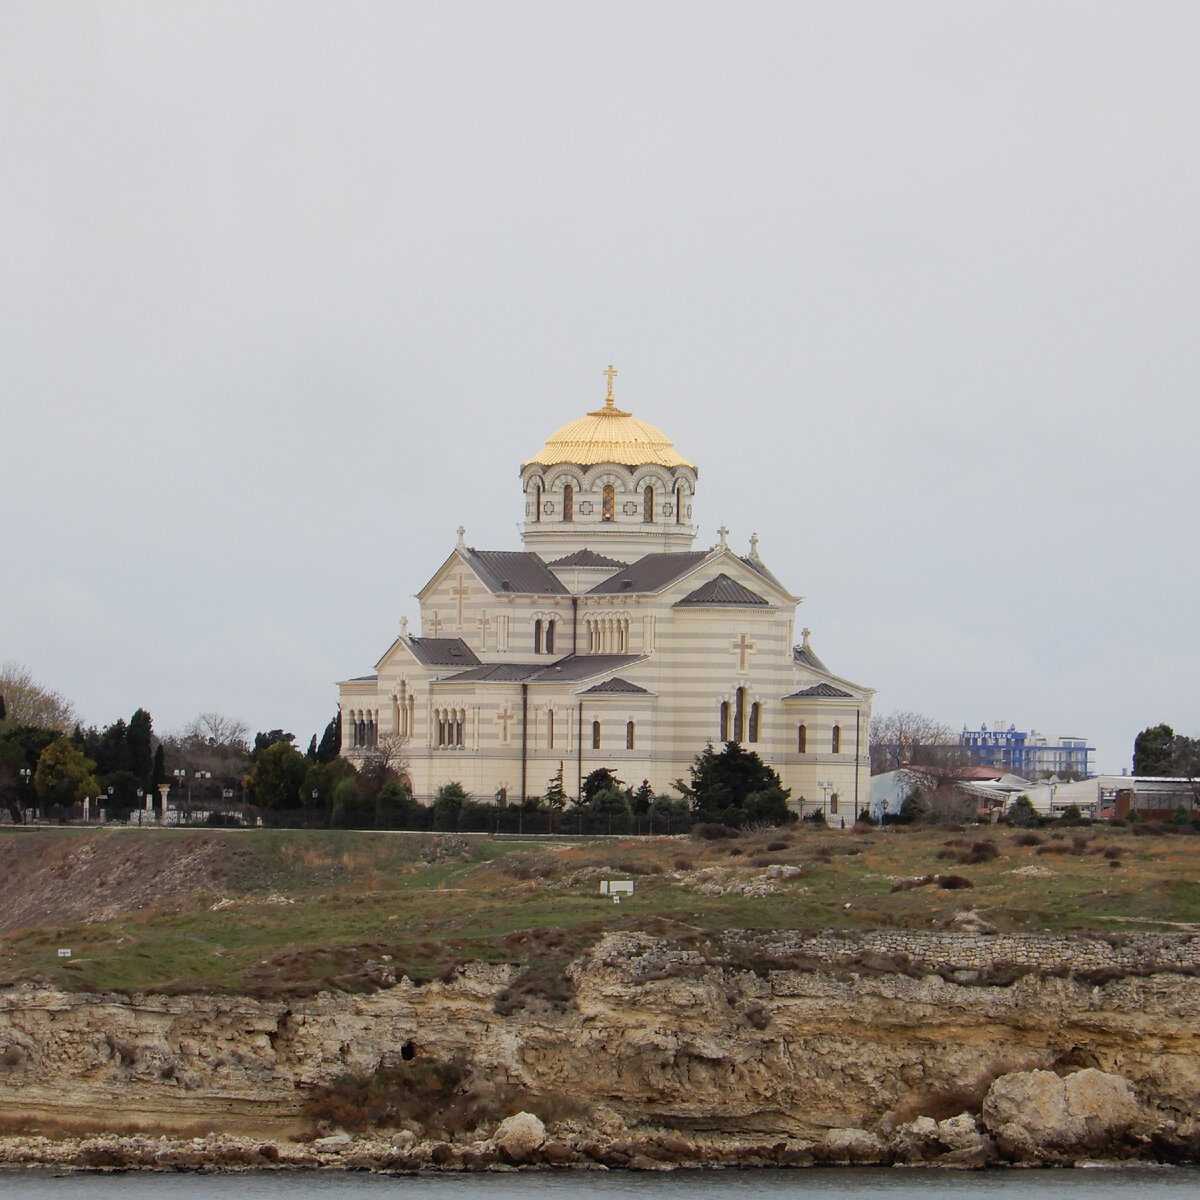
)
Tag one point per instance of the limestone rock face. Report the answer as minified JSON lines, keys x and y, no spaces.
{"x":657,"y":1042}
{"x":1087,"y":1109}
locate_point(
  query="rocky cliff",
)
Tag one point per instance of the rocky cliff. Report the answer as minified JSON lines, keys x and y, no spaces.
{"x":956,"y":1048}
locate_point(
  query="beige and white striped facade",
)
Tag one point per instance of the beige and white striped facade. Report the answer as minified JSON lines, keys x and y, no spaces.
{"x":609,"y":642}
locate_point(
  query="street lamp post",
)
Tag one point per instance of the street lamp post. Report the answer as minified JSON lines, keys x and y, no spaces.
{"x":312,"y":812}
{"x":826,"y":787}
{"x":26,"y":776}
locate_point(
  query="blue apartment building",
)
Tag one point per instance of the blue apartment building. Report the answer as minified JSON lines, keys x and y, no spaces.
{"x":1030,"y":754}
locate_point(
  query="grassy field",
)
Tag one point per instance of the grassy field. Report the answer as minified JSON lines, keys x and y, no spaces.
{"x":270,"y":912}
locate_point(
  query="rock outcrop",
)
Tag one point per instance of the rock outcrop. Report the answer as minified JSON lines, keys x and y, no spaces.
{"x":663,"y":1055}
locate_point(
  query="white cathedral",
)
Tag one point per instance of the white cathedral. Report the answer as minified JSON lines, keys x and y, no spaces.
{"x":608,"y":641}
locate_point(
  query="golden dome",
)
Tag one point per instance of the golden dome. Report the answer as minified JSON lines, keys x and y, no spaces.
{"x":609,"y":435}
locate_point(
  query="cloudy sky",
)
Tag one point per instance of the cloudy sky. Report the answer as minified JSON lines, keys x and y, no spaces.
{"x":290,"y":290}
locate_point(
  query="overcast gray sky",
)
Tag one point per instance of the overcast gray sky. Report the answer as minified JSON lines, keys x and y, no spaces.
{"x":290,"y":290}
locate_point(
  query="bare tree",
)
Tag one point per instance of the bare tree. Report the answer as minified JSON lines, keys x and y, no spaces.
{"x":27,"y":702}
{"x":387,"y":759}
{"x":212,"y":743}
{"x":215,"y":729}
{"x":905,"y":739}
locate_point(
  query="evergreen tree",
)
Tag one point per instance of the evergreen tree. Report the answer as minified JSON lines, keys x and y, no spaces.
{"x":735,"y":787}
{"x":1154,"y":751}
{"x":140,"y":736}
{"x":556,"y":796}
{"x":330,"y":745}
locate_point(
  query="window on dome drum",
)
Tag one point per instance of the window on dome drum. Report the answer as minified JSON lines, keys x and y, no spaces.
{"x":595,"y":735}
{"x":648,"y":506}
{"x":724,"y":720}
{"x":802,"y":739}
{"x":550,"y":728}
{"x":679,"y":505}
{"x":550,"y":637}
{"x":754,"y":712}
{"x":568,"y":502}
{"x":739,"y":714}
{"x":608,"y":507}
{"x":537,"y":636}
{"x":537,"y":501}
{"x":837,"y":739}
{"x":628,"y":735}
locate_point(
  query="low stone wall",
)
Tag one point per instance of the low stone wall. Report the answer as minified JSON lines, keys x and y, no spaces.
{"x":1134,"y":954}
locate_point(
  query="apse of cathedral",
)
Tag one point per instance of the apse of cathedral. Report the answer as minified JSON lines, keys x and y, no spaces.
{"x":608,"y":640}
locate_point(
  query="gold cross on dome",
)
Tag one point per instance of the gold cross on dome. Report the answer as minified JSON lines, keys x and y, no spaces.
{"x":611,"y":372}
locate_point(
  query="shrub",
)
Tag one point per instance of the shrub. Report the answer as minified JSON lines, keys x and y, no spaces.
{"x":1028,"y":839}
{"x":1022,"y":813}
{"x":711,"y":831}
{"x":953,"y":882}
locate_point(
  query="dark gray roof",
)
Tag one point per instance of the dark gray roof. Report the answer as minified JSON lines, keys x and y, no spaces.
{"x":442,"y":652}
{"x":651,"y":572}
{"x":825,"y":690}
{"x":497,"y":673}
{"x":364,"y":679}
{"x":805,"y":656}
{"x":721,"y":590}
{"x":613,"y":686}
{"x":759,"y":567}
{"x":515,"y":571}
{"x":567,"y":670}
{"x":587,"y":558}
{"x":584,"y":666}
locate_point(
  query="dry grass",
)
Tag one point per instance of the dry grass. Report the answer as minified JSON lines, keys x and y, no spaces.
{"x":288,"y":912}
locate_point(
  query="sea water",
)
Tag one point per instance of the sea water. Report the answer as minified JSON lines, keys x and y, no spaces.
{"x":1134,"y":1183}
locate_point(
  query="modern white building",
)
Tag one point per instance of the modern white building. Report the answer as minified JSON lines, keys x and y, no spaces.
{"x":608,"y":640}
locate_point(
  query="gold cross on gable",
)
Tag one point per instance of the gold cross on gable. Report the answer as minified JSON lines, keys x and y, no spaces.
{"x":611,"y":372}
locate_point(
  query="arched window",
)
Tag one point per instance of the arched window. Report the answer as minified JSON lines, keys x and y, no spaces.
{"x":628,"y":735}
{"x":550,"y":728}
{"x":609,"y":503}
{"x":833,"y":802}
{"x":679,"y":505}
{"x":802,"y":740}
{"x":568,"y":502}
{"x":595,"y":735}
{"x":754,"y":711}
{"x":537,"y":501}
{"x":739,"y":714}
{"x":550,"y":637}
{"x":724,"y":720}
{"x":537,"y":636}
{"x":648,"y":505}
{"x":837,"y":739}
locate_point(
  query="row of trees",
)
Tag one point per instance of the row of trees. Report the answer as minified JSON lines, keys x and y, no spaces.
{"x":730,"y":786}
{"x":51,"y":762}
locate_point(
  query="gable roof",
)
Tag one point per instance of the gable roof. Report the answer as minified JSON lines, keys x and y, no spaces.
{"x":805,"y":656}
{"x":615,"y":685}
{"x":651,"y":573}
{"x":721,"y":590}
{"x":759,"y":567}
{"x":514,"y":571}
{"x":588,"y":558}
{"x":825,"y":690}
{"x":571,"y":669}
{"x":442,"y":652}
